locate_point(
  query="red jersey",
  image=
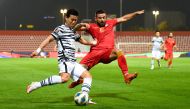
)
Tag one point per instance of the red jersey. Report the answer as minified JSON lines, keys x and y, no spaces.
{"x":104,"y":35}
{"x":169,"y":44}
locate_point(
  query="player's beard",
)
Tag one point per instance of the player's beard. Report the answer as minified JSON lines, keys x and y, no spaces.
{"x":101,"y":24}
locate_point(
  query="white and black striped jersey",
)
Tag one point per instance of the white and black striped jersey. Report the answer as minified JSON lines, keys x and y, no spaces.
{"x":65,"y":38}
{"x":157,"y":42}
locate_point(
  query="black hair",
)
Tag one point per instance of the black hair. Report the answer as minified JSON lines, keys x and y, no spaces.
{"x":100,"y":12}
{"x":72,"y":12}
{"x":157,"y":31}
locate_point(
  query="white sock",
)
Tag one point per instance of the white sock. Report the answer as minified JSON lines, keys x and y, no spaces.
{"x":152,"y":62}
{"x":51,"y":80}
{"x":86,"y":85}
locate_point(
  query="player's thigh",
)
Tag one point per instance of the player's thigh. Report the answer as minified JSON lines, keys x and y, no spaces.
{"x":66,"y":67}
{"x":154,"y":54}
{"x":109,"y":55}
{"x":64,"y":76}
{"x":92,"y":58}
{"x":65,"y":70}
{"x":170,"y":56}
{"x":166,"y":57}
{"x":78,"y":72}
{"x":113,"y":54}
{"x":158,"y":55}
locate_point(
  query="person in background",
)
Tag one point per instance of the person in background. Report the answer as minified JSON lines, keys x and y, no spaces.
{"x":156,"y":44}
{"x":169,"y":46}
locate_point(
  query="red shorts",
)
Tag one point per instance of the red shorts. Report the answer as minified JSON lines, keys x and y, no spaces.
{"x":168,"y":55}
{"x":96,"y":56}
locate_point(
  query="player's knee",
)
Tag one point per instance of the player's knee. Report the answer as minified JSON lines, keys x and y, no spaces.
{"x":86,"y":74}
{"x":165,"y":59}
{"x":115,"y":54}
{"x":119,"y":53}
{"x":65,"y":77}
{"x":112,"y":58}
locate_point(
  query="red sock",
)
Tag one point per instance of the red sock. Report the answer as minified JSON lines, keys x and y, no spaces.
{"x":123,"y":64}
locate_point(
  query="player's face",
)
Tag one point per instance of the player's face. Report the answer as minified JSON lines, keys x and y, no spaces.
{"x":71,"y":20}
{"x":170,"y":35}
{"x":157,"y":34}
{"x":101,"y":19}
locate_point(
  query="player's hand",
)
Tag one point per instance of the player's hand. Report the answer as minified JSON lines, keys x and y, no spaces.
{"x":79,"y":26}
{"x":33,"y":54}
{"x":82,"y":24}
{"x":94,"y":42}
{"x":140,"y":12}
{"x":176,"y":48}
{"x":149,"y":44}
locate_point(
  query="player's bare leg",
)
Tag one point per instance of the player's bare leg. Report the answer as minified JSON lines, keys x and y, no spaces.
{"x":159,"y":64}
{"x":169,"y":63}
{"x":166,"y":58}
{"x":55,"y":79}
{"x":152,"y":64}
{"x":123,"y":66}
{"x":76,"y":83}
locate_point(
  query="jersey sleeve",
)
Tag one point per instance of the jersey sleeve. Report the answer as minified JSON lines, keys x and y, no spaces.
{"x":90,"y":28}
{"x":77,"y":37}
{"x":56,"y":33}
{"x":113,"y":21}
{"x":165,"y":42}
{"x":162,"y":41}
{"x":153,"y":39}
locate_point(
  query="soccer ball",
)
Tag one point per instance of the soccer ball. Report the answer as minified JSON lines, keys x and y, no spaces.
{"x":81,"y":98}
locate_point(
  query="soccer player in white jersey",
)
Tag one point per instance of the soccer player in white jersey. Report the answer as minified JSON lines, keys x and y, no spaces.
{"x":157,"y":42}
{"x":65,"y":36}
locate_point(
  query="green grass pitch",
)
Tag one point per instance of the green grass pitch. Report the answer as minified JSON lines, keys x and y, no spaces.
{"x":160,"y":88}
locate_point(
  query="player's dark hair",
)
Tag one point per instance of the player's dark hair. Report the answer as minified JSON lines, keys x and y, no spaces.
{"x":157,"y":31}
{"x":72,"y":12}
{"x":100,"y":12}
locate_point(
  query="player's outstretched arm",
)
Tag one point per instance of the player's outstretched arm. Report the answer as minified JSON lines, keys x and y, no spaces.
{"x":162,"y":46}
{"x":175,"y":47}
{"x":81,"y":27}
{"x":42,"y":45}
{"x":129,"y":16}
{"x":149,"y":44}
{"x":85,"y":42}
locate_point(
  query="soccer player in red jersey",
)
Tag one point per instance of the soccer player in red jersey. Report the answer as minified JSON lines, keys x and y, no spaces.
{"x":104,"y":51}
{"x":169,"y":44}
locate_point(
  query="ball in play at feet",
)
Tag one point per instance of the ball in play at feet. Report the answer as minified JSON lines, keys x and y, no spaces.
{"x":81,"y":98}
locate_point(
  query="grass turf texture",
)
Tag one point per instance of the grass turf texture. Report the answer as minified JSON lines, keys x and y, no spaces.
{"x":160,"y":88}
